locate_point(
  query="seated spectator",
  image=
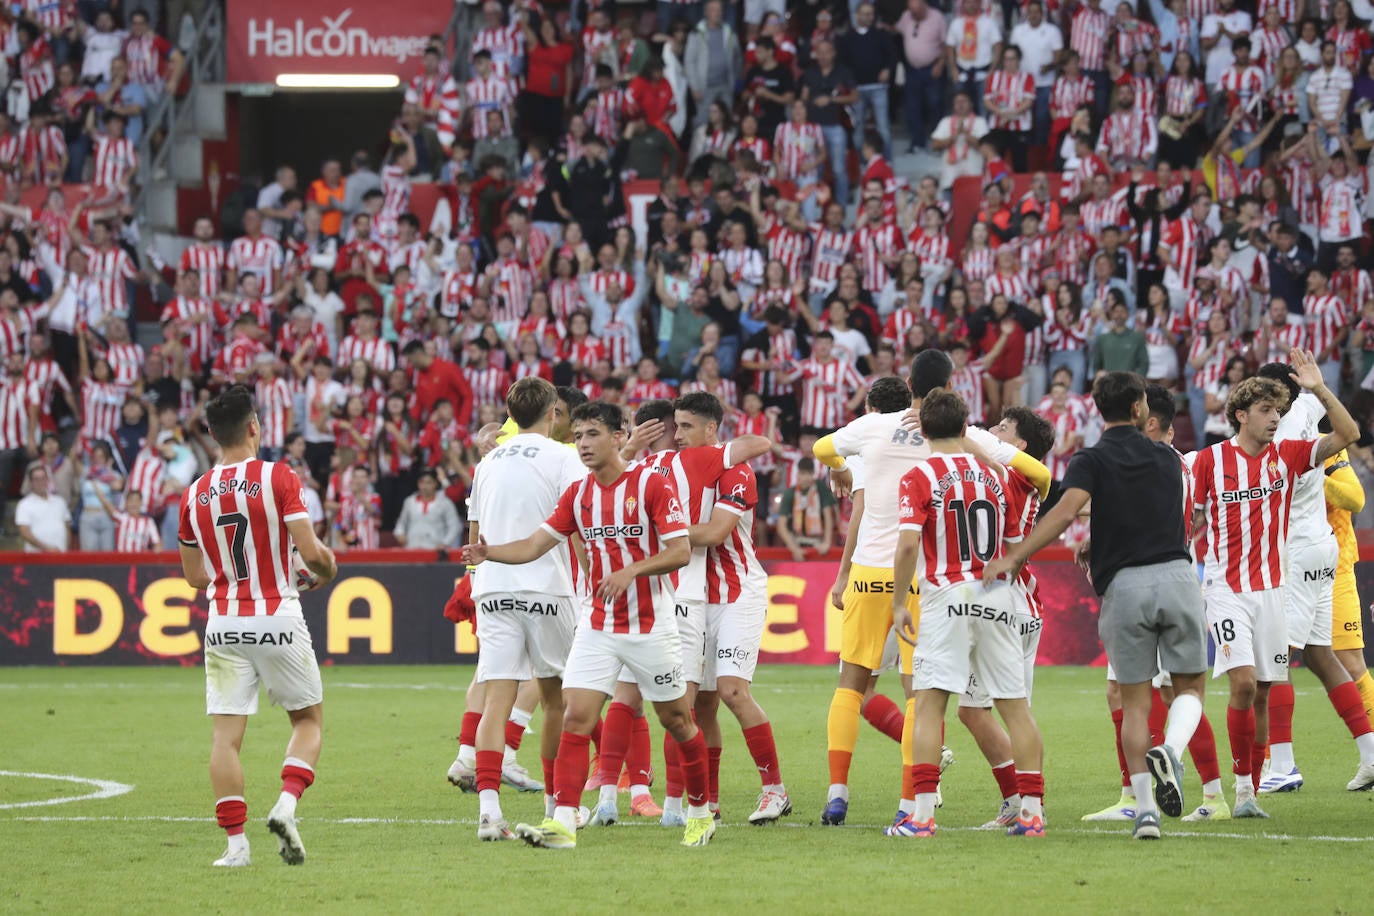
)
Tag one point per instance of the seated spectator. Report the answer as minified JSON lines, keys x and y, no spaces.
{"x":806,"y":514}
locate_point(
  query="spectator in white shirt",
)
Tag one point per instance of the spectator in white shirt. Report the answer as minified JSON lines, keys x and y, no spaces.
{"x":275,"y":217}
{"x":1040,"y":43}
{"x":428,"y":519}
{"x":1328,"y":92}
{"x":45,"y":522}
{"x":1218,"y":29}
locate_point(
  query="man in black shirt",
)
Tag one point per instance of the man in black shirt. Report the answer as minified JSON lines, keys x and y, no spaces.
{"x":768,"y":88}
{"x":588,"y":188}
{"x":871,"y":55}
{"x":827,"y":88}
{"x":1141,"y":567}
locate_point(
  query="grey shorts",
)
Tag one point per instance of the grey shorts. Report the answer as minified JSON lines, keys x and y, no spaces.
{"x":1152,"y":616}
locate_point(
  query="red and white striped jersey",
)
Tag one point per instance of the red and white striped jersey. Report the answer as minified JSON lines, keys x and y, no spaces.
{"x":198,"y":337}
{"x":1088,"y":36}
{"x":637,"y":392}
{"x":620,"y":340}
{"x":1215,"y":367}
{"x":208,"y":261}
{"x":565,"y":296}
{"x":1281,"y":339}
{"x":761,"y":147}
{"x":274,"y":407}
{"x":15,"y":335}
{"x":261,"y":256}
{"x":1016,"y":287}
{"x":11,"y":154}
{"x":1352,"y":43}
{"x":725,"y":391}
{"x":495,"y":93}
{"x":18,"y":405}
{"x":1099,"y":214}
{"x":360,"y":519}
{"x":1324,"y":321}
{"x":36,"y":69}
{"x":968,"y":384}
{"x":871,"y":245}
{"x":1035,"y":256}
{"x":1197,"y":9}
{"x":1243,"y":83}
{"x":126,"y":363}
{"x":237,"y":515}
{"x":605,"y":113}
{"x":489,"y":386}
{"x":800,"y":146}
{"x":1008,"y":90}
{"x":110,"y":270}
{"x":1078,"y":180}
{"x":830,"y":249}
{"x":1069,"y":95}
{"x":258,"y":308}
{"x":931,"y":249}
{"x":46,"y":376}
{"x":42,"y":149}
{"x":146,"y":55}
{"x":456,"y":294}
{"x":100,"y":406}
{"x":1141,"y":36}
{"x":146,"y":478}
{"x":1183,"y":96}
{"x":1171,"y":322}
{"x":440,"y":90}
{"x":826,"y":387}
{"x":52,"y":15}
{"x":789,"y":247}
{"x":236,"y":360}
{"x":1301,"y":184}
{"x":1146,"y":93}
{"x":900,"y":321}
{"x":1266,"y":45}
{"x":782,"y":350}
{"x":1341,"y":201}
{"x":395,"y":194}
{"x":1127,"y":138}
{"x":977,"y":263}
{"x":733,"y":562}
{"x":582,"y":352}
{"x":959,"y":508}
{"x":1182,"y":239}
{"x":511,"y":285}
{"x":1023,"y":505}
{"x":1066,"y":423}
{"x":600,"y":280}
{"x":374,"y":351}
{"x":115,"y":160}
{"x":622,"y":524}
{"x":597,"y":47}
{"x":1247,"y":501}
{"x":136,"y":533}
{"x":1353,"y":287}
{"x":506,"y":43}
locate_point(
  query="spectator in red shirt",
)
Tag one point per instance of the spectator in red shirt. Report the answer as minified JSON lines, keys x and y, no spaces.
{"x":438,"y":378}
{"x":549,"y":82}
{"x":652,"y":94}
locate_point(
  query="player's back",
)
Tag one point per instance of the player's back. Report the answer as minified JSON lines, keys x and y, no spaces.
{"x":960,"y":506}
{"x":889,"y":451}
{"x":236,"y":515}
{"x":515,"y":488}
{"x":694,"y":473}
{"x":1308,"y":513}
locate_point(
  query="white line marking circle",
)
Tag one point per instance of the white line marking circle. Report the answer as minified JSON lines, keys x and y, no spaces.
{"x":103,"y":788}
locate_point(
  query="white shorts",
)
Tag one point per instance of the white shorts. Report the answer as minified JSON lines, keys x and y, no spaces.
{"x":655,"y":658}
{"x":690,"y":616}
{"x":734,"y":633}
{"x":273,"y":651}
{"x":969,"y":630}
{"x":754,"y":10}
{"x":1308,"y":587}
{"x":524,"y":635}
{"x":1248,"y":628}
{"x":1030,"y":626}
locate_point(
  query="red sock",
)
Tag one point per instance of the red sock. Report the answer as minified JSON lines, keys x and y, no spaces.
{"x":1240,"y":728}
{"x":1159,"y":714}
{"x":514,"y":733}
{"x":713,"y":774}
{"x":1281,"y":713}
{"x":615,"y":742}
{"x":925,"y":778}
{"x":884,"y":715}
{"x":467,"y":732}
{"x":489,"y":769}
{"x":765,"y":753}
{"x":1257,"y":754}
{"x":672,"y":761}
{"x":695,"y":768}
{"x":548,"y":763}
{"x":1031,"y":784}
{"x":1203,"y":748}
{"x":1349,"y":706}
{"x":570,"y":769}
{"x":596,"y":735}
{"x":1006,"y":779}
{"x":639,"y":760}
{"x":297,"y":776}
{"x":1117,"y":716}
{"x":232,"y":814}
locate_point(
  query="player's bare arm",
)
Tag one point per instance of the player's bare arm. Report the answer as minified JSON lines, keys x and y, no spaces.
{"x":746,"y":448}
{"x":676,"y":553}
{"x":525,"y":550}
{"x":715,"y":531}
{"x":851,"y":537}
{"x":1045,"y":532}
{"x":193,"y":568}
{"x":1344,"y":429}
{"x":903,"y":571}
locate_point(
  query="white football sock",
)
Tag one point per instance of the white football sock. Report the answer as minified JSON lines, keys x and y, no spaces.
{"x":776,"y":789}
{"x":286,"y":803}
{"x":489,"y":803}
{"x":906,"y":805}
{"x":467,"y":755}
{"x":1143,"y":786}
{"x":238,"y":842}
{"x":839,"y":790}
{"x":637,"y":790}
{"x":672,"y":805}
{"x":549,"y":805}
{"x":698,"y":811}
{"x":567,"y":816}
{"x":1212,"y":788}
{"x":1245,"y":788}
{"x":1032,"y":806}
{"x":1281,"y":759}
{"x":1185,"y":712}
{"x":521,"y":718}
{"x":924,"y":806}
{"x":608,"y":794}
{"x":1365,"y":744}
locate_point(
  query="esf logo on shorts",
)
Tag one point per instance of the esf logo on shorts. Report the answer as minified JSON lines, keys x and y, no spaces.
{"x":548,"y":609}
{"x":671,"y":677}
{"x":1240,"y":496}
{"x":1319,"y":575}
{"x":1352,"y":626}
{"x":739,"y":653}
{"x":980,"y":612}
{"x":610,"y":532}
{"x":249,"y":639}
{"x":1281,"y":659}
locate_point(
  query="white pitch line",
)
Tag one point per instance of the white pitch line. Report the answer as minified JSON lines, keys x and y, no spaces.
{"x":104,"y":788}
{"x":470,"y":822}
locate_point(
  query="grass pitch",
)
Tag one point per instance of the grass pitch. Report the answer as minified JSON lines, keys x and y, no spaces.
{"x":385,"y":832}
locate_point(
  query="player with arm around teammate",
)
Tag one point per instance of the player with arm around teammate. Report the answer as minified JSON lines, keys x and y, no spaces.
{"x":239,"y":524}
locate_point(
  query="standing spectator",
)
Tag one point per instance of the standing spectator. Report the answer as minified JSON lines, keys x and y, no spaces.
{"x":1088,"y":39}
{"x":103,"y":43}
{"x":357,"y":526}
{"x":504,"y":43}
{"x":437,"y":379}
{"x":127,"y":98}
{"x":99,"y":479}
{"x":43,"y":519}
{"x":435,"y":94}
{"x":328,"y":194}
{"x":1009,"y":97}
{"x":70,"y":101}
{"x":971,"y":48}
{"x":1040,"y":43}
{"x":806,"y":515}
{"x":769,"y":88}
{"x":275,"y":216}
{"x":153,"y":63}
{"x":135,"y":530}
{"x":548,"y":89}
{"x":1120,"y":348}
{"x":587,"y":191}
{"x":868,"y":53}
{"x":832,"y":389}
{"x":428,"y":520}
{"x":923,"y":34}
{"x":18,"y":422}
{"x":35,"y":60}
{"x":1328,"y":92}
{"x":254,"y":253}
{"x":1219,"y":30}
{"x":827,"y":89}
{"x":956,"y":139}
{"x":714,"y":60}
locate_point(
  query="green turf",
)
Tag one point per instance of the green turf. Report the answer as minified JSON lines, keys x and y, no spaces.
{"x":390,"y":735}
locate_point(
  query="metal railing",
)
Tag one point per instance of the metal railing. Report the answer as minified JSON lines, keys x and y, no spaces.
{"x":204,"y":64}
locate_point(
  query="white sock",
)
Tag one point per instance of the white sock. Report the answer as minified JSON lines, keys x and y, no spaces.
{"x":1184,"y":715}
{"x":238,"y":842}
{"x":549,"y":805}
{"x":698,"y":811}
{"x":1365,"y":744}
{"x":1143,"y":786}
{"x":1013,"y":800}
{"x":567,"y":816}
{"x":673,"y":805}
{"x":521,"y":718}
{"x":286,"y":804}
{"x":1212,"y":788}
{"x":489,"y":803}
{"x":1032,"y":806}
{"x":906,"y":805}
{"x":839,"y":790}
{"x":1245,"y":788}
{"x":608,"y":794}
{"x":923,"y":808}
{"x":776,"y":789}
{"x":508,"y":756}
{"x":467,"y":755}
{"x":1281,"y":758}
{"x":636,"y":790}
{"x":1127,"y":793}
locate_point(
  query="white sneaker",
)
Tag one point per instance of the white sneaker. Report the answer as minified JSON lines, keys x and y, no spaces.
{"x":289,"y":844}
{"x":584,"y":816}
{"x":1006,"y":815}
{"x":606,"y":814}
{"x":1213,"y":808}
{"x":1364,"y":779}
{"x":518,"y":778}
{"x":463,"y":775}
{"x":234,"y":859}
{"x":1280,"y":782}
{"x":494,"y":829}
{"x":772,"y":805}
{"x":673,"y":818}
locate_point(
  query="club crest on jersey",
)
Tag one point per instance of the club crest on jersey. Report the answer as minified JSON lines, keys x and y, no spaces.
{"x":630,"y":503}
{"x":1273,"y":467}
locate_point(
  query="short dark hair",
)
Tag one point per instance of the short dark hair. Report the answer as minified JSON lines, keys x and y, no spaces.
{"x":703,"y":404}
{"x":1162,"y":405}
{"x":529,"y":399}
{"x":944,"y":415}
{"x":427,"y":472}
{"x":931,"y":369}
{"x":654,"y":409}
{"x":228,"y":414}
{"x":608,"y":415}
{"x":572,"y":397}
{"x":889,"y":395}
{"x":1116,"y":393}
{"x":1283,"y":374}
{"x":1033,"y":429}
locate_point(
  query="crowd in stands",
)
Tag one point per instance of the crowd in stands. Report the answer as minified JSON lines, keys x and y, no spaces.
{"x":1176,"y":189}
